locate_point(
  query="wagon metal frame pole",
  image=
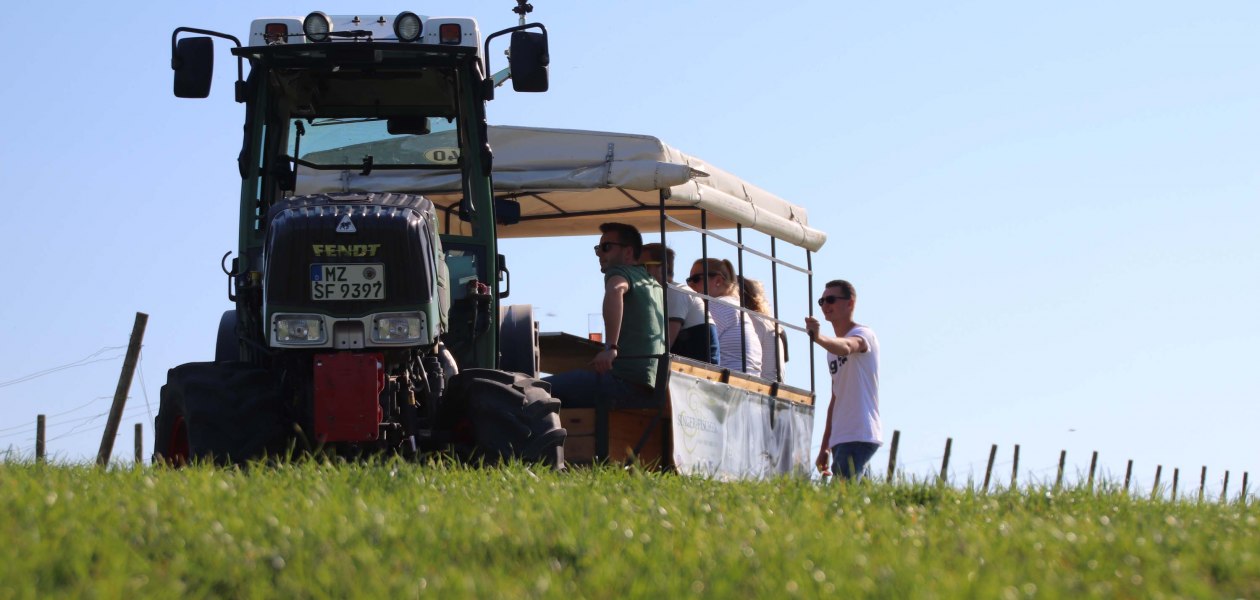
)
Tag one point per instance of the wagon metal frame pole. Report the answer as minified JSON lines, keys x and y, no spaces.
{"x":39,"y":438}
{"x":704,"y":285}
{"x":809,"y":306}
{"x":739,"y":285}
{"x":664,"y":373}
{"x":892,"y":454}
{"x":124,"y":385}
{"x":774,"y":298}
{"x":988,"y":470}
{"x":666,"y":275}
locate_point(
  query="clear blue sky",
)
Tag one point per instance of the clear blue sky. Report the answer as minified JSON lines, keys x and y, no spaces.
{"x":1049,"y":211}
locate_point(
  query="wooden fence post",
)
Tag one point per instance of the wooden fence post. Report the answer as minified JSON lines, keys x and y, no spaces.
{"x":1225,"y":488}
{"x":989,"y":469}
{"x":1243,"y":496}
{"x":139,"y":444}
{"x":944,"y":478}
{"x":1202,"y":482}
{"x":39,"y":438}
{"x":1093,"y":464}
{"x":1128,"y":472}
{"x":120,"y":393}
{"x":1058,"y":480}
{"x":1015,"y":468}
{"x":1155,"y":488}
{"x":892,"y":455}
{"x":1176,"y":476}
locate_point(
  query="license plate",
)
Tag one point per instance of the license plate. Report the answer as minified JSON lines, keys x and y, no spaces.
{"x":348,"y":281}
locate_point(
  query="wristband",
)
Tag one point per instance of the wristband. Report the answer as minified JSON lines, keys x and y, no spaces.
{"x":613,"y":347}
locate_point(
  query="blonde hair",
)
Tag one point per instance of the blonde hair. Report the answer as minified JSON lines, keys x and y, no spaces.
{"x":724,"y":268}
{"x":753,"y":295}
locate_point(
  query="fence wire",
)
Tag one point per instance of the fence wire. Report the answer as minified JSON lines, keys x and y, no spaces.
{"x":87,"y":360}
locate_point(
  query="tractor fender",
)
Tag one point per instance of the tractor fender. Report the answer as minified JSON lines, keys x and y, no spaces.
{"x":227,"y":346}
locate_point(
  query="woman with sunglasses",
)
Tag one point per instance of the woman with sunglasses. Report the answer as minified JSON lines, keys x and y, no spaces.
{"x":739,"y":346}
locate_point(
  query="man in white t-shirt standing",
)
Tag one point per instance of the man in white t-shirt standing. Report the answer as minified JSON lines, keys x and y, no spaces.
{"x":853,"y":433}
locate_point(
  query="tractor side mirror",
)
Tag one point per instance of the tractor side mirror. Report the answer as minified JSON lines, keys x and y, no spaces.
{"x":507,"y":211}
{"x":529,"y":60}
{"x":193,"y":62}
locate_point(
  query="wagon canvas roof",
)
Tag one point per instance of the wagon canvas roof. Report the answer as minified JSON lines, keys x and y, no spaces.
{"x":569,"y":181}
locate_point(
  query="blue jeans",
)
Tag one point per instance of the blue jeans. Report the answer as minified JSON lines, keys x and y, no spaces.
{"x":582,"y":388}
{"x":856,"y":454}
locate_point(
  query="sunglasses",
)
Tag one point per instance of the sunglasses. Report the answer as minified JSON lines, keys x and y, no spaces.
{"x":606,"y":246}
{"x":698,"y":277}
{"x":831,"y":299}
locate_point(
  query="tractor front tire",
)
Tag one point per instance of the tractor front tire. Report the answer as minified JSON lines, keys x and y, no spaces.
{"x":225,"y":412}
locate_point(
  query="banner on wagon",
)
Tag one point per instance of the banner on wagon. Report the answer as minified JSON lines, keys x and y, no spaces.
{"x":726,"y":432}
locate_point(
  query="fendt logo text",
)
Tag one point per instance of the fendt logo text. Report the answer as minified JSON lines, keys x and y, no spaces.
{"x":353,"y":250}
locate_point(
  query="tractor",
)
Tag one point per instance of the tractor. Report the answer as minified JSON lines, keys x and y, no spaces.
{"x":358,"y":329}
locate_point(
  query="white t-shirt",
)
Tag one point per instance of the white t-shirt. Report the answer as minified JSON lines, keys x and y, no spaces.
{"x":684,"y":306}
{"x":855,"y":384}
{"x":730,"y":343}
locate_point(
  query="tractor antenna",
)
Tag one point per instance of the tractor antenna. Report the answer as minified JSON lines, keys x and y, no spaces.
{"x":523,"y":7}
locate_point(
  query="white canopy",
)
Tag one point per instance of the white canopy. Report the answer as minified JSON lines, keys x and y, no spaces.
{"x":569,"y":181}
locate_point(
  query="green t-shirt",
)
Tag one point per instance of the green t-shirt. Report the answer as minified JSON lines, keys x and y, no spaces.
{"x":642,"y":325}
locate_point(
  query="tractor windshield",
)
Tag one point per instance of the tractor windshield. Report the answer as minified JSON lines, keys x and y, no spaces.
{"x":338,"y":143}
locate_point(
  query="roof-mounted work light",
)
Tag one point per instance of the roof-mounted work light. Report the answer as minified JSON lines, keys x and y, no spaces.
{"x":317,"y":26}
{"x":449,"y":33}
{"x":407,"y":27}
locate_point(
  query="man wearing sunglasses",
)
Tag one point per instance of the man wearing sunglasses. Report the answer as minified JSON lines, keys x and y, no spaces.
{"x":853,"y":431}
{"x":624,"y":372}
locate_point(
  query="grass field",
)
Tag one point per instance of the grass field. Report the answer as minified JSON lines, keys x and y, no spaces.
{"x":405,"y":530}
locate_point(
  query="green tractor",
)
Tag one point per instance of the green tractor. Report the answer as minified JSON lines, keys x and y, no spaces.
{"x":358,"y":328}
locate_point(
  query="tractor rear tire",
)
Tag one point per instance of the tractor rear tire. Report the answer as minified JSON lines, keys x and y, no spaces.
{"x":225,"y":412}
{"x":499,"y":415}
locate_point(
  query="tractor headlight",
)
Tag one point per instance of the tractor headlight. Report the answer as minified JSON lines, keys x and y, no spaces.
{"x":300,"y":329}
{"x":398,"y":328}
{"x":407,"y":27}
{"x":317,"y":26}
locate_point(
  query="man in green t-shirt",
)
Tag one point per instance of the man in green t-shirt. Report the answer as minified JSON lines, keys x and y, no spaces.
{"x":624,"y":372}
